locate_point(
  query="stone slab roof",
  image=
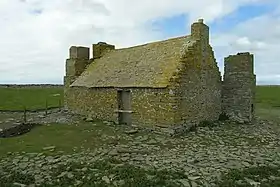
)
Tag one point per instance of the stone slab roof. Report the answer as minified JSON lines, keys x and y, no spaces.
{"x":150,"y":65}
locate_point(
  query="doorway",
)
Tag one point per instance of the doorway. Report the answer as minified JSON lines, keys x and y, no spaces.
{"x":252,"y":109}
{"x":124,"y":107}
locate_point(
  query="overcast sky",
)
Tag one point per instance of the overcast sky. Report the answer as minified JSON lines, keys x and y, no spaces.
{"x":35,"y":35}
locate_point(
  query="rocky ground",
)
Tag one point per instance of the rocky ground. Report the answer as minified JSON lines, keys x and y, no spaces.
{"x":198,"y":158}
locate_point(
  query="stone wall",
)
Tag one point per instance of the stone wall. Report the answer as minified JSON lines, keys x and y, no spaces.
{"x":150,"y":106}
{"x":99,"y":103}
{"x":31,"y":85}
{"x":239,"y":84}
{"x":99,"y":49}
{"x":198,"y":90}
{"x":75,"y":66}
{"x":153,"y":106}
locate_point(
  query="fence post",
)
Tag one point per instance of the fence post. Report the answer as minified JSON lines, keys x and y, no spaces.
{"x":24,"y":114}
{"x":46,"y":109}
{"x":59,"y":104}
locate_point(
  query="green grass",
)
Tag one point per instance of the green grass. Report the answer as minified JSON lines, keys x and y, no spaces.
{"x":237,"y":178}
{"x":131,"y":175}
{"x":31,"y":98}
{"x":268,"y":96}
{"x":268,"y":102}
{"x":66,"y":138}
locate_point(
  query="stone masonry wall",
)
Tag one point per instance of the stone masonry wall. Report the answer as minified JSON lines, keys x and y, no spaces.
{"x":199,"y":89}
{"x":239,"y":87}
{"x":75,"y":65}
{"x":99,"y":103}
{"x":153,"y":106}
{"x":149,"y":106}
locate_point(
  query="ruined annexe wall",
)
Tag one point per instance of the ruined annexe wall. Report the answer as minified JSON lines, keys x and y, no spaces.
{"x":239,"y":84}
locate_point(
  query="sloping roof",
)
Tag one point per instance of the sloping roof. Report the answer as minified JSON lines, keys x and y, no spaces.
{"x":149,"y":65}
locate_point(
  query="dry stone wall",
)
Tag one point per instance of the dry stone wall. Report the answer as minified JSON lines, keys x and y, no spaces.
{"x":150,"y":106}
{"x":198,"y":91}
{"x":75,"y":66}
{"x":239,"y":87}
{"x":31,"y":85}
{"x":153,"y":106}
{"x":98,"y":103}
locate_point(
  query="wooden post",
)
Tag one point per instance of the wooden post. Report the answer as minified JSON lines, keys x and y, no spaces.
{"x":24,"y":114}
{"x":59,"y":104}
{"x":46,"y":109}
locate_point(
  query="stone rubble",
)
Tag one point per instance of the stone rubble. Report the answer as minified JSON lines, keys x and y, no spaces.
{"x":203,"y":155}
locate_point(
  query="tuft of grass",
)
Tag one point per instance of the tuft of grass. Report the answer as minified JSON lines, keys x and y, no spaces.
{"x":15,"y":177}
{"x":31,"y":98}
{"x":237,"y":178}
{"x":132,"y":176}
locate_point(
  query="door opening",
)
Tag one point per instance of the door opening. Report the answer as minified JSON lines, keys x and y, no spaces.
{"x":124,"y":107}
{"x":252,"y":108}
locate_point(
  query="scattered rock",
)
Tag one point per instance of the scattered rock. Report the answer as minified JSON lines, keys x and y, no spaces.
{"x":106,"y":179}
{"x":193,"y":178}
{"x":113,"y":152}
{"x":252,"y":182}
{"x":88,"y":119}
{"x":185,"y":182}
{"x":49,"y":148}
{"x":134,"y":131}
{"x":19,"y":184}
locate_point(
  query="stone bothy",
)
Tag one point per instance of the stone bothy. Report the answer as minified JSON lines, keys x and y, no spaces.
{"x":167,"y":83}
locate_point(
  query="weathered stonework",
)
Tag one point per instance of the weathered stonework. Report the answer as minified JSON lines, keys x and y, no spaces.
{"x":239,"y":87}
{"x":150,"y":106}
{"x":198,"y":90}
{"x":75,"y":66}
{"x":168,"y":83}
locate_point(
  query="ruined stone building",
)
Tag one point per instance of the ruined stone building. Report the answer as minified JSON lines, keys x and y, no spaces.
{"x":167,"y":82}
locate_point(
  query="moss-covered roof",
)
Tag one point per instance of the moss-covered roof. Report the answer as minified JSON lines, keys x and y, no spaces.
{"x":149,"y":65}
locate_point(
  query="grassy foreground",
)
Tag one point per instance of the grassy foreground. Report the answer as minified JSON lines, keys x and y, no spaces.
{"x":71,"y":139}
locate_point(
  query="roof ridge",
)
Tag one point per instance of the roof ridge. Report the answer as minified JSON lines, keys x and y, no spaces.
{"x":154,"y":42}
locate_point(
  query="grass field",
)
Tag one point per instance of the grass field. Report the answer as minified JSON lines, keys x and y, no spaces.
{"x":31,"y":98}
{"x":35,"y":98}
{"x":69,"y":139}
{"x":268,"y":96}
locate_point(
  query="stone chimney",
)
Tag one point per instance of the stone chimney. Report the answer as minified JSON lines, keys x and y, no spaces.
{"x":99,"y":49}
{"x":200,"y":31}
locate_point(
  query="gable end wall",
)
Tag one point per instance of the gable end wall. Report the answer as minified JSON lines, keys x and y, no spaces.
{"x":198,"y":92}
